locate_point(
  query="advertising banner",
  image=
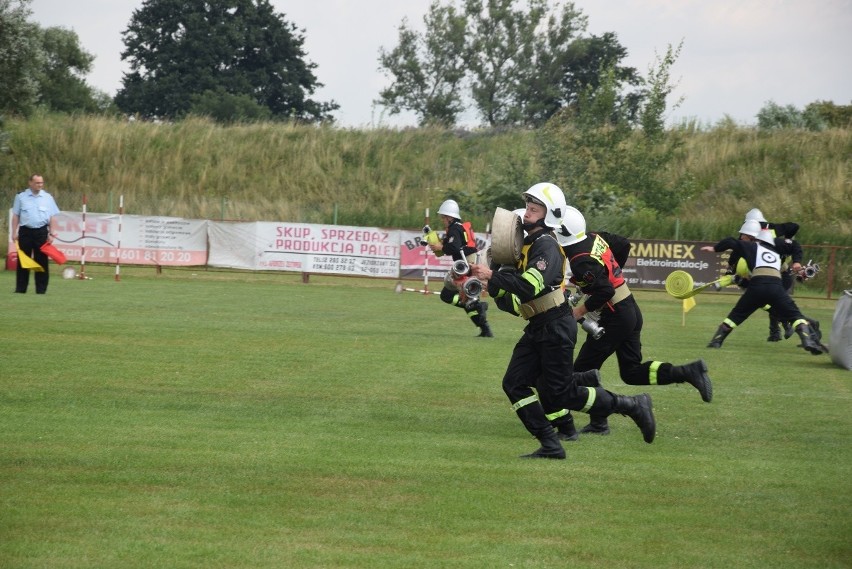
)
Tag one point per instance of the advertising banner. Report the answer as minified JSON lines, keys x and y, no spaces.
{"x":415,"y":259}
{"x":651,"y":261}
{"x":137,"y":240}
{"x":308,"y":248}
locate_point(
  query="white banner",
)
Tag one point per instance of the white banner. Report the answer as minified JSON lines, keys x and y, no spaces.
{"x":308,"y":248}
{"x":136,"y":240}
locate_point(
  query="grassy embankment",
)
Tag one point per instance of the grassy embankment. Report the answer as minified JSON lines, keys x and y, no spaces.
{"x":388,"y":177}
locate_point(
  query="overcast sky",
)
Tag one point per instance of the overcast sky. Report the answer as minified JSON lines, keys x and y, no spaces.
{"x":736,"y":56}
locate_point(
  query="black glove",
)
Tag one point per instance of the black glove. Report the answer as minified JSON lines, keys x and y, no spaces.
{"x":426,"y":229}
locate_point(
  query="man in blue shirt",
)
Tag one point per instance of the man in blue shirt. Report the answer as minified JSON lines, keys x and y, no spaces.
{"x":34,"y":224}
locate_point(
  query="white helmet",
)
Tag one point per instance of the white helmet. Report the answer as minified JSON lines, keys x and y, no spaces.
{"x":750,"y":227}
{"x":767,"y":236}
{"x":451,"y":208}
{"x":756,"y":215}
{"x":573,"y":228}
{"x":551,"y":197}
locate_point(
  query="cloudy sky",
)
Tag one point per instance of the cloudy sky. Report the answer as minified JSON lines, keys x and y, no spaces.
{"x":736,"y":55}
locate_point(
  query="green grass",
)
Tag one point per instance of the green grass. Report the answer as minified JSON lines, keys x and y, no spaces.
{"x":215,"y":419}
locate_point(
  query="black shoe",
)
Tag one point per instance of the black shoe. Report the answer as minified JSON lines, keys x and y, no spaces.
{"x":593,"y":429}
{"x":638,"y":408}
{"x":817,"y":333}
{"x":774,"y":336}
{"x":550,"y":448}
{"x":543,"y":452}
{"x":567,"y":431}
{"x":568,"y":436}
{"x":485,"y":331}
{"x":695,"y":374}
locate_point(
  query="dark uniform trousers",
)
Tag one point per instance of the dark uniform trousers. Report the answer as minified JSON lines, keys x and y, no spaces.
{"x":763,"y":290}
{"x":623,"y":325}
{"x":540,"y":359}
{"x":30,"y":240}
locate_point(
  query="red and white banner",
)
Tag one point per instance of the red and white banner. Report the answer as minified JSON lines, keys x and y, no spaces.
{"x":144,"y":240}
{"x":417,"y":259}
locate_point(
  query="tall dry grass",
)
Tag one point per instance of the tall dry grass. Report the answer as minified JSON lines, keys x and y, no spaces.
{"x":387,"y":177}
{"x":790,"y":175}
{"x":196,"y":168}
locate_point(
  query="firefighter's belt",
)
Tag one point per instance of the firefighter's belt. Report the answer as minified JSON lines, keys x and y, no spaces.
{"x":542,"y":304}
{"x":621,"y":293}
{"x":766,"y":272}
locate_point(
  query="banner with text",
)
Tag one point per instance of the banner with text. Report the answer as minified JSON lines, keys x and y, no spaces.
{"x":651,"y":261}
{"x":135,"y":240}
{"x":330,"y":249}
{"x":416,"y":259}
{"x":308,"y":248}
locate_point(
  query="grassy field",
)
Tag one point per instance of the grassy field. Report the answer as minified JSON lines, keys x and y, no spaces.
{"x":213,"y":419}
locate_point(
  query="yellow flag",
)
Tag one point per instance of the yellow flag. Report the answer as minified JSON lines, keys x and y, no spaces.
{"x":27,"y":263}
{"x":688,"y":304}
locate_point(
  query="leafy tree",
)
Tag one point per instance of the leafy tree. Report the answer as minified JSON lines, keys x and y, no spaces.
{"x":428,"y":68}
{"x":773,"y":116}
{"x":835,"y":116}
{"x":61,"y":86}
{"x":596,"y":153}
{"x":516,"y":62}
{"x":223,"y":107}
{"x":582,"y":67}
{"x":178,"y":49}
{"x":21,"y":58}
{"x":501,"y":55}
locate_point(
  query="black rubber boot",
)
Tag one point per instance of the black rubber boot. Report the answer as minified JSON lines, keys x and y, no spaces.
{"x":484,"y":328}
{"x":565,"y":429}
{"x":788,"y":330}
{"x":695,"y":374}
{"x":598,"y":425}
{"x":720,"y":335}
{"x":550,"y":447}
{"x":774,"y":329}
{"x":638,"y":408}
{"x":536,"y":423}
{"x":809,"y":339}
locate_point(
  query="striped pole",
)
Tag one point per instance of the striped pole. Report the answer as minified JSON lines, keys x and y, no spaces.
{"x":83,"y":243}
{"x":426,"y":261}
{"x":118,"y":242}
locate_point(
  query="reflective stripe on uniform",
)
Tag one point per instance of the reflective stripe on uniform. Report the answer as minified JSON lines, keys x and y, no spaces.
{"x":652,"y":372}
{"x":593,"y":394}
{"x":556,"y":415}
{"x":524,"y":402}
{"x":535,"y":278}
{"x":729,"y":322}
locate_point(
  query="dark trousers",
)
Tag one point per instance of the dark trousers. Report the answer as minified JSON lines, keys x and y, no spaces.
{"x":763,"y":290}
{"x":623,"y":325}
{"x":30,"y":241}
{"x":542,"y":359}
